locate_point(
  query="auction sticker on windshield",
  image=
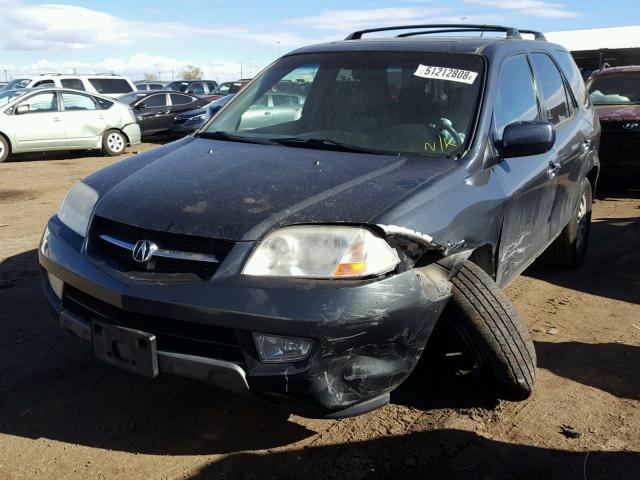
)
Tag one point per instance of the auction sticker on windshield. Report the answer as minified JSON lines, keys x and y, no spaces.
{"x":446,"y":73}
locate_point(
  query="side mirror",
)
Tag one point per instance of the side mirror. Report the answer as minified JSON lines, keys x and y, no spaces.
{"x":22,"y":109}
{"x":522,"y":139}
{"x":140,"y":106}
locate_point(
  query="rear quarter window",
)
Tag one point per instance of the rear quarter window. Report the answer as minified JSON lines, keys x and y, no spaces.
{"x":573,"y":76}
{"x":74,"y":83}
{"x":110,"y":85}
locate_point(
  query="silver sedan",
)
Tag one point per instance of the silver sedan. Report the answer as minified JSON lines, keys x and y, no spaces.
{"x":39,"y":120}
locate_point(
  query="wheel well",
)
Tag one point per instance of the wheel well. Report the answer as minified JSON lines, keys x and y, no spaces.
{"x":484,"y":258}
{"x":118,"y":130}
{"x":592,"y":176}
{"x":7,"y":139}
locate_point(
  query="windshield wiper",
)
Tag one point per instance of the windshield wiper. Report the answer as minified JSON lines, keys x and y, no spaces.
{"x":219,"y":135}
{"x":325,"y":144}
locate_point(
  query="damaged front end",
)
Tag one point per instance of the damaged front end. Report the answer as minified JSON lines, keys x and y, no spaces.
{"x":372,"y":337}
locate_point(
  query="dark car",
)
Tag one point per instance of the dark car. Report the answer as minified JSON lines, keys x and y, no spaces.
{"x":192,"y":120}
{"x":195,"y":87}
{"x":310,"y":260}
{"x":615,"y":93}
{"x":155,"y":111}
{"x":227,"y":88}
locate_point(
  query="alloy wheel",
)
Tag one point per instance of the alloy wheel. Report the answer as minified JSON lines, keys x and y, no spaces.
{"x":115,"y":142}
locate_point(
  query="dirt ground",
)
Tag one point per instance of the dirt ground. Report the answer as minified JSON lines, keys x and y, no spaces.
{"x":65,"y":415}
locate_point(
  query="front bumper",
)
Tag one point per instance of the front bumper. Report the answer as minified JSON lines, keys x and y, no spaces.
{"x":368,"y":335}
{"x":186,"y":127}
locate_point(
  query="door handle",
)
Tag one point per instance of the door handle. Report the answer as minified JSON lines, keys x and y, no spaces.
{"x":553,"y":169}
{"x":57,"y":119}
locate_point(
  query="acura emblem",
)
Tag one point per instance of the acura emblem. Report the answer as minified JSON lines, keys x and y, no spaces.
{"x":144,"y":250}
{"x":631,"y":125}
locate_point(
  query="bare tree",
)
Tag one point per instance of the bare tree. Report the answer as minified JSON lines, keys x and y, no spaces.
{"x":192,"y":73}
{"x":150,"y":76}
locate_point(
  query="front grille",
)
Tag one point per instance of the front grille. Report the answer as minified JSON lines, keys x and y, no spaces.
{"x":188,"y":338}
{"x":618,"y":143}
{"x":178,"y":269}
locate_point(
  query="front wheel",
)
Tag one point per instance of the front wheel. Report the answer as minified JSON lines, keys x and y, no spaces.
{"x":4,"y":149}
{"x":483,"y":326}
{"x":570,"y":248}
{"x":114,"y":143}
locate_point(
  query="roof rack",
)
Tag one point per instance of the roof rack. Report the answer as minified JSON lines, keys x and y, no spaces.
{"x":510,"y":32}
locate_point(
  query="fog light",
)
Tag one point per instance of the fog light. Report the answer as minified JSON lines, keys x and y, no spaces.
{"x":274,"y":349}
{"x":56,"y":285}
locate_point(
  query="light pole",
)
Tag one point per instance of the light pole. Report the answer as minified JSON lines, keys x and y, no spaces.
{"x":278,"y":43}
{"x":5,"y":75}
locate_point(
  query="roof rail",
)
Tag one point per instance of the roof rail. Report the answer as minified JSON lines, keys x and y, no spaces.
{"x":510,"y":32}
{"x":537,"y":35}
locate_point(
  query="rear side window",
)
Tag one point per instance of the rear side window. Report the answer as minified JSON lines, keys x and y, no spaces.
{"x":73,"y":83}
{"x":573,"y":75}
{"x":155,"y":86}
{"x":196,"y":89}
{"x":156,"y":101}
{"x":110,"y":85}
{"x":44,"y":83}
{"x":211,"y":86}
{"x":516,"y":100}
{"x":177,"y":99}
{"x":74,"y":102}
{"x":552,"y":87}
{"x":104,"y":104}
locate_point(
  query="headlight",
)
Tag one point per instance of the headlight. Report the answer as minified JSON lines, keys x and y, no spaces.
{"x":77,"y":206}
{"x":321,"y":251}
{"x":198,"y":118}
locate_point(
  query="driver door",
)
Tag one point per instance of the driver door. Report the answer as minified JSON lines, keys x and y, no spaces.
{"x":39,"y":124}
{"x":154,"y":113}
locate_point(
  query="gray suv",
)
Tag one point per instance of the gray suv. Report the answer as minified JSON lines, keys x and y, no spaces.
{"x":309,"y":260}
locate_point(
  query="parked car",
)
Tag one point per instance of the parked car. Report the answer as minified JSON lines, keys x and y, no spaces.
{"x":272,"y":108}
{"x":2,"y":85}
{"x":46,"y":119}
{"x":144,"y":86}
{"x":615,"y":93}
{"x":194,"y":87}
{"x":109,"y":85}
{"x":227,"y":88}
{"x":155,"y":110}
{"x":310,"y":260}
{"x":189,"y":122}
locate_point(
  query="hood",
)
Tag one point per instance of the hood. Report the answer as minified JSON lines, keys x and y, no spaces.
{"x":613,"y":113}
{"x":240,"y":191}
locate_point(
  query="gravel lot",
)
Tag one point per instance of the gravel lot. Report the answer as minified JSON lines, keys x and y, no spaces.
{"x":64,"y":415}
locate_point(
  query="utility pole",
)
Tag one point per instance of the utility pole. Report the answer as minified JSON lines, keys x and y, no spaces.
{"x":241,"y":77}
{"x":5,"y":75}
{"x":278,"y":48}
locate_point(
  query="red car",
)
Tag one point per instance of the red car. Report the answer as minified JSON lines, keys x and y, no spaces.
{"x":227,"y":88}
{"x":615,"y":93}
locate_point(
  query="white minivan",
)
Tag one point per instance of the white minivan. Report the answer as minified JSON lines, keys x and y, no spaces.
{"x":107,"y":84}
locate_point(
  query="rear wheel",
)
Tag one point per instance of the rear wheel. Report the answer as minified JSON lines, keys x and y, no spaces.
{"x":114,"y":143}
{"x":4,"y":149}
{"x":570,"y":248}
{"x":483,"y":326}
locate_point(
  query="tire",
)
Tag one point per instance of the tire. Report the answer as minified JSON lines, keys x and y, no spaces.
{"x":487,"y":329}
{"x":4,"y":149}
{"x":570,"y":248}
{"x":114,"y":143}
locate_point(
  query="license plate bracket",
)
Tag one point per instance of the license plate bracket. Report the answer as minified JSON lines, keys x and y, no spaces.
{"x":126,"y":348}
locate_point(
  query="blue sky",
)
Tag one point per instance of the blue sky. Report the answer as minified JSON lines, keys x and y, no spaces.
{"x":219,"y":35}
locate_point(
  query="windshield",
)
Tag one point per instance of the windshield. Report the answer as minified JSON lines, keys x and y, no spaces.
{"x":9,"y":95}
{"x":615,"y":89}
{"x":178,"y":86}
{"x":17,"y":83}
{"x":382,"y":102}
